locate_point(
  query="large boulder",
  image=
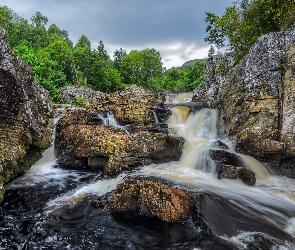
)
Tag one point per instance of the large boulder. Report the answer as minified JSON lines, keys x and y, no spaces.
{"x":26,"y":121}
{"x":255,"y":99}
{"x":82,"y":141}
{"x":151,"y":197}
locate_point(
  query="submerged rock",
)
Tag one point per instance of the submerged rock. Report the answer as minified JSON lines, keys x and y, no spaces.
{"x":82,"y":141}
{"x":26,"y":121}
{"x":255,"y":98}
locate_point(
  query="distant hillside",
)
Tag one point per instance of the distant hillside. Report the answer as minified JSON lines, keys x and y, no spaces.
{"x":190,"y":63}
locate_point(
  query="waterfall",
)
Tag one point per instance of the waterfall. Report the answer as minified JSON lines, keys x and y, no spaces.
{"x":156,"y":120}
{"x":110,"y":120}
{"x":179,"y":98}
{"x":272,"y":197}
{"x":199,"y":131}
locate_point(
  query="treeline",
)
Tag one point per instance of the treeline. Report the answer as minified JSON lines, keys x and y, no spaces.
{"x":243,"y":23}
{"x":57,"y":62}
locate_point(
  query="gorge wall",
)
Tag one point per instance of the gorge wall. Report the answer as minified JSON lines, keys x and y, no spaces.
{"x":26,"y":118}
{"x":256,"y":99}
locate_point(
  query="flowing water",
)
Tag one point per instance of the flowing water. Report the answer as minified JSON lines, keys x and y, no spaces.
{"x":50,"y":208}
{"x":179,"y":98}
{"x":110,"y":120}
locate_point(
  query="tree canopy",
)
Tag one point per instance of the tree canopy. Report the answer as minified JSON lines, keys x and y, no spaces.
{"x":243,"y":23}
{"x":56,"y":61}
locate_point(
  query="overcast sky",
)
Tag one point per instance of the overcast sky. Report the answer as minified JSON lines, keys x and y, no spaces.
{"x":176,"y":28}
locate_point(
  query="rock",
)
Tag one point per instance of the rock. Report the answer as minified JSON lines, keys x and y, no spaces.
{"x":255,"y":98}
{"x":222,"y":156}
{"x":193,"y":106}
{"x":234,"y":172}
{"x":219,"y":144}
{"x":83,"y":142}
{"x":131,"y":106}
{"x":26,"y":117}
{"x":152,"y":198}
{"x":69,"y":94}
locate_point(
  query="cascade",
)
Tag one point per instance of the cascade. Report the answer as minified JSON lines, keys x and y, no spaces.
{"x":179,"y":98}
{"x":272,"y":197}
{"x":110,"y":120}
{"x":156,"y":120}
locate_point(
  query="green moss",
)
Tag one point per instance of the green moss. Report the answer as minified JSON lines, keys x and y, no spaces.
{"x":77,"y":101}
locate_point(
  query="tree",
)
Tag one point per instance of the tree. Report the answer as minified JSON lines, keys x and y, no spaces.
{"x":195,"y":76}
{"x":103,"y":54}
{"x":118,"y":58}
{"x":152,"y":66}
{"x":83,"y":41}
{"x":82,"y":59}
{"x":61,"y":53}
{"x":211,"y":52}
{"x":38,"y":20}
{"x":132,"y":68}
{"x":241,"y":25}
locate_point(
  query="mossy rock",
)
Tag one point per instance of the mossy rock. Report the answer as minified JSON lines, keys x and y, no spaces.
{"x":247,"y":176}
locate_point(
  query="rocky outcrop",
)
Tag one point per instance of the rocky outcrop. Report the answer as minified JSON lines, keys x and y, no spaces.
{"x":255,"y":99}
{"x":83,"y":141}
{"x":152,"y":198}
{"x":69,"y":94}
{"x":134,"y":105}
{"x":26,"y":121}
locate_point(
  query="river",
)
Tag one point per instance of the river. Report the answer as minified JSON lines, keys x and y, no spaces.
{"x":50,"y":208}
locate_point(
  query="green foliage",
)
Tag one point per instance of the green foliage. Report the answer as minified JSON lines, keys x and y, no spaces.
{"x":77,"y":101}
{"x":118,"y":58}
{"x":132,"y":68}
{"x":241,"y":25}
{"x":38,"y":20}
{"x":56,"y":62}
{"x":152,"y":66}
{"x":222,"y":66}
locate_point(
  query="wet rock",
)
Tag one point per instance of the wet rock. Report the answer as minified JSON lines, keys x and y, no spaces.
{"x":152,"y":198}
{"x":83,"y":142}
{"x":26,"y":121}
{"x":221,"y":156}
{"x":234,"y":172}
{"x":255,"y":98}
{"x":193,"y":106}
{"x":219,"y":144}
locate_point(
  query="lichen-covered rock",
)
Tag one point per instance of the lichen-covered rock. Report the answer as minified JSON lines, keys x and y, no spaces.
{"x":82,"y":141}
{"x":134,"y":105}
{"x":255,"y":99}
{"x":152,"y":198}
{"x":69,"y":94}
{"x":26,"y":121}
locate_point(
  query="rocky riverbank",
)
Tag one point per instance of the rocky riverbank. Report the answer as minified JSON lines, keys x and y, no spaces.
{"x":26,"y":116}
{"x":255,"y":99}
